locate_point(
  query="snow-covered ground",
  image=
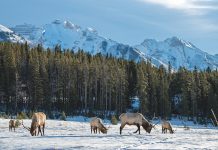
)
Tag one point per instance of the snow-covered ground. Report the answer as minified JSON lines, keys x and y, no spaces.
{"x":75,"y":134}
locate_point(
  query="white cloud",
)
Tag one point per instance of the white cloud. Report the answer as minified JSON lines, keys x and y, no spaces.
{"x":192,"y":7}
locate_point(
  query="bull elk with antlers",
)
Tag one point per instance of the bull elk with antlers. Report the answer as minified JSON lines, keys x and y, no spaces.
{"x":38,"y":122}
{"x":136,"y":119}
{"x":96,"y":124}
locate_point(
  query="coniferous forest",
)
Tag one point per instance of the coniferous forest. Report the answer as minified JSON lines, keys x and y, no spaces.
{"x":57,"y":80}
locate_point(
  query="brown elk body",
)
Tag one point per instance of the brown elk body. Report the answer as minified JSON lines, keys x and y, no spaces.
{"x":136,"y":119}
{"x":12,"y":124}
{"x":166,"y":125}
{"x":96,"y":124}
{"x":38,"y":122}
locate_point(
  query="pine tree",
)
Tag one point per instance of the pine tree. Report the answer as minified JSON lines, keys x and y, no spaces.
{"x":142,"y":88}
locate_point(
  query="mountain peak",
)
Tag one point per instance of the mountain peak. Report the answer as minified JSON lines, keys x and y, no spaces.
{"x":174,"y":38}
{"x":179,"y":53}
{"x":175,"y":41}
{"x":56,"y":21}
{"x":89,"y":29}
{"x":72,"y":26}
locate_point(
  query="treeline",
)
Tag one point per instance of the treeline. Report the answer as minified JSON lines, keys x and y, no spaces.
{"x":60,"y":80}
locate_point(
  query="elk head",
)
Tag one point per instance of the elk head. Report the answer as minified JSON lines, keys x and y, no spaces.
{"x":33,"y":129}
{"x":172,"y":131}
{"x":150,"y":126}
{"x":103,"y":130}
{"x":147,"y":126}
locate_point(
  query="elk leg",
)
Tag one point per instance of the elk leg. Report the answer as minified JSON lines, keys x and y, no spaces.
{"x":40,"y":130}
{"x":98,"y":130}
{"x":43,"y":129}
{"x":136,"y":130}
{"x":95,"y":130}
{"x":14,"y":129}
{"x":164,"y":130}
{"x":138,"y":127}
{"x":91,"y":129}
{"x":121,"y":128}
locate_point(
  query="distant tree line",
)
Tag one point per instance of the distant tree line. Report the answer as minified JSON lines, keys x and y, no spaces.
{"x":78,"y":83}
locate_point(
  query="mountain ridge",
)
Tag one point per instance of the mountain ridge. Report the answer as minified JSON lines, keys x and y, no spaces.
{"x":8,"y":35}
{"x":179,"y":53}
{"x":71,"y":36}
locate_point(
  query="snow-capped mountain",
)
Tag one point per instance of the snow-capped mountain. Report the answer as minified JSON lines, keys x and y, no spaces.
{"x":8,"y":35}
{"x":71,"y":36}
{"x":178,"y":52}
{"x":74,"y":37}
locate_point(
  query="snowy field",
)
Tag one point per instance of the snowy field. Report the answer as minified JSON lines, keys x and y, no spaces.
{"x":75,"y":134}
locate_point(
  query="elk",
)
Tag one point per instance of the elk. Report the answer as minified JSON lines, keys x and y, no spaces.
{"x":136,"y":119}
{"x":38,"y":122}
{"x":166,"y":125}
{"x":12,"y":124}
{"x":96,"y":124}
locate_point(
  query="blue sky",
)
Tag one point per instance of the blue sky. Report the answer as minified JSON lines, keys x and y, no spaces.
{"x":126,"y":21}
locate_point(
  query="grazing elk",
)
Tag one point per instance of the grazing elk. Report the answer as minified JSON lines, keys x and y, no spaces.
{"x":166,"y":125}
{"x":96,"y":124}
{"x":12,"y":124}
{"x":38,"y":122}
{"x":136,"y":119}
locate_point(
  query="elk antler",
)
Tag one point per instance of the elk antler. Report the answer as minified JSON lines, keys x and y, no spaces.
{"x":155,"y":124}
{"x":25,"y":127}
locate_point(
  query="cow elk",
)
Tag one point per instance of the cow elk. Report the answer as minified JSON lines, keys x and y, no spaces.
{"x":12,"y":124}
{"x":136,"y":119}
{"x":38,"y":122}
{"x":166,"y":125}
{"x":96,"y":124}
